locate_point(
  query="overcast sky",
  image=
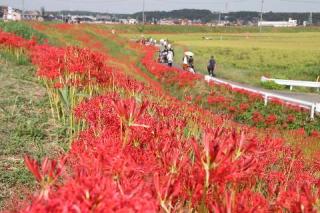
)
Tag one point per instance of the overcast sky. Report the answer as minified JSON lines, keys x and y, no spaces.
{"x":130,"y":6}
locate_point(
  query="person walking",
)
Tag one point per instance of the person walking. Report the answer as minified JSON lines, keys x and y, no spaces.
{"x":190,"y":64}
{"x":170,"y":57}
{"x":165,"y":55}
{"x":170,"y":48}
{"x":211,"y":66}
{"x":185,"y":62}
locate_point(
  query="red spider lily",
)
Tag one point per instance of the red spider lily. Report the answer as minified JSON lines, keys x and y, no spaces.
{"x":232,"y":109}
{"x":257,"y":117}
{"x":172,"y":161}
{"x":46,"y":174}
{"x":271,"y":119}
{"x":315,"y":133}
{"x":291,"y":118}
{"x":128,"y":111}
{"x":129,"y":115}
{"x":244,"y":106}
{"x":58,"y":85}
{"x":217,"y":99}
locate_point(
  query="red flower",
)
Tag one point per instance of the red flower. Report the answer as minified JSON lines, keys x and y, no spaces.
{"x":244,"y":106}
{"x":58,"y":85}
{"x":271,"y":119}
{"x":232,"y":109}
{"x":291,"y":119}
{"x":315,"y":133}
{"x":257,"y":117}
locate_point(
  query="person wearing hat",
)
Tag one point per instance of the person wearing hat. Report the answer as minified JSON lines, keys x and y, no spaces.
{"x":190,"y":63}
{"x":185,"y":60}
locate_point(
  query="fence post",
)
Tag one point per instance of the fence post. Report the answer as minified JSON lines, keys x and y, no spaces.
{"x":266,"y":100}
{"x":313,"y":107}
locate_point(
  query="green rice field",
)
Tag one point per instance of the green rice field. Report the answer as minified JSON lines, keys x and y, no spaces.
{"x":245,"y":57}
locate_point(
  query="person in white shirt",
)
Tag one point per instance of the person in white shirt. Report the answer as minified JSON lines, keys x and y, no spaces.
{"x":185,"y":64}
{"x":170,"y":58}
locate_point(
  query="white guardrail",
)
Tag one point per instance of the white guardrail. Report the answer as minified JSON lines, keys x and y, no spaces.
{"x":312,"y":106}
{"x":293,"y":83}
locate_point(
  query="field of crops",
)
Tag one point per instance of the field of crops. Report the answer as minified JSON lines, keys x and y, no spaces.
{"x":122,"y":133}
{"x":245,"y":57}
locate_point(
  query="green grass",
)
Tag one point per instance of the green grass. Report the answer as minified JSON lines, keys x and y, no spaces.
{"x":18,"y":59}
{"x":22,"y":29}
{"x":114,"y":48}
{"x":178,"y":29}
{"x":26,"y":125}
{"x":246,"y":57}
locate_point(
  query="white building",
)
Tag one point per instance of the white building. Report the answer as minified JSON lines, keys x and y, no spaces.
{"x":290,"y":23}
{"x":133,"y":21}
{"x":12,"y":14}
{"x":31,"y":15}
{"x":123,"y":21}
{"x":82,"y":19}
{"x":166,"y":22}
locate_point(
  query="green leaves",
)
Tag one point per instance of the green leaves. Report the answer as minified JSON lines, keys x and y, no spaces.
{"x":64,"y":97}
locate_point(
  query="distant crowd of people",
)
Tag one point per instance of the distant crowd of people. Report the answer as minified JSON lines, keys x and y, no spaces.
{"x":167,"y":54}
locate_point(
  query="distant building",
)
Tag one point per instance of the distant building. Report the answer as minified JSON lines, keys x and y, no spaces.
{"x":123,"y":21}
{"x":31,"y":15}
{"x":167,"y":22}
{"x":290,"y":23}
{"x":11,"y":14}
{"x":186,"y":22}
{"x":128,"y":21}
{"x":309,"y":22}
{"x":132,"y":21}
{"x":220,"y":23}
{"x":81,"y":19}
{"x":103,"y":18}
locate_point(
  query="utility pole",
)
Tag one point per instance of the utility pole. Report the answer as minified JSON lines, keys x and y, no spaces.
{"x":261,"y":12}
{"x":227,"y":6}
{"x":143,"y":16}
{"x":310,"y":19}
{"x":23,"y":9}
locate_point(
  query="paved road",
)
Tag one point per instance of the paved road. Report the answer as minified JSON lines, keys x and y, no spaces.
{"x":310,"y":97}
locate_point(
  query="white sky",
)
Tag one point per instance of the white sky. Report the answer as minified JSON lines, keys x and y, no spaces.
{"x":130,"y":6}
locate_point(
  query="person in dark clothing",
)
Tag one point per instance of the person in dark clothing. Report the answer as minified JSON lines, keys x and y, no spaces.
{"x":190,"y":64}
{"x":211,"y":66}
{"x":190,"y":61}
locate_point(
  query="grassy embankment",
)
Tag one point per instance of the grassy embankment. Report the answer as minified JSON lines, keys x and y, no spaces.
{"x":27,"y":127}
{"x":38,"y":133}
{"x":26,"y":123}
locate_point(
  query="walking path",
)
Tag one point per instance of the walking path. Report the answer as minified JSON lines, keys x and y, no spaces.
{"x":310,"y":101}
{"x":307,"y":100}
{"x":310,"y":97}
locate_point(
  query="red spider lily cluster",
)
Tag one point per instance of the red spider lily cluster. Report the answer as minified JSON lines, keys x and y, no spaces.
{"x":147,"y":152}
{"x":9,"y":40}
